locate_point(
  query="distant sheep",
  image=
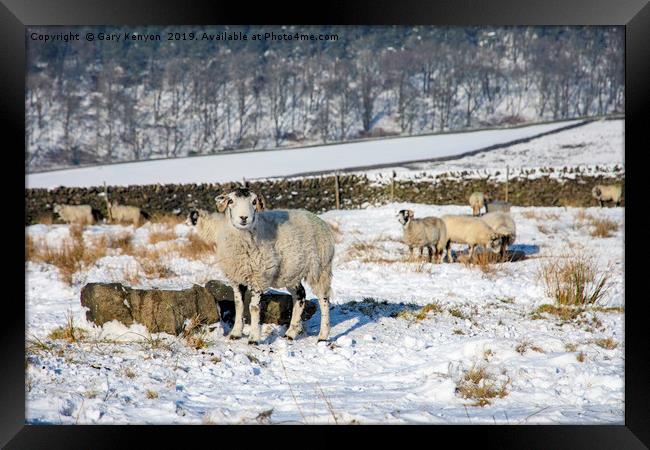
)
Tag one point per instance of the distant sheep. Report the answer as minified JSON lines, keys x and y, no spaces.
{"x":471,"y":231}
{"x":607,"y":193}
{"x":79,"y":214}
{"x":477,"y":201}
{"x":260,"y":249}
{"x":123,"y":213}
{"x":429,"y":232}
{"x":504,"y":225}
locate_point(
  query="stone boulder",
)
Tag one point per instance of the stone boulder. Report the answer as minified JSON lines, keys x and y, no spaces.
{"x":166,"y":310}
{"x":158,"y":310}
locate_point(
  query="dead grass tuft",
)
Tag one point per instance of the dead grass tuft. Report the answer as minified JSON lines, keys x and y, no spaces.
{"x":156,"y":236}
{"x":151,"y":394}
{"x":580,"y":357}
{"x":151,"y":261}
{"x":526,"y":345}
{"x":603,"y":228}
{"x":481,"y":387}
{"x":69,"y":332}
{"x":422,"y":313}
{"x":72,"y":255}
{"x":195,"y":248}
{"x":574,"y":281}
{"x":195,"y":333}
{"x":606,"y":343}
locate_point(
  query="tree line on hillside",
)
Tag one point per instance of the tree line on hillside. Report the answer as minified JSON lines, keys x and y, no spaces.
{"x":101,"y":102}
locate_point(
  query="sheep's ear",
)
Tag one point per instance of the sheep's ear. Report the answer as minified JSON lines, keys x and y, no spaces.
{"x":410,"y":213}
{"x":222,"y":202}
{"x":260,"y":204}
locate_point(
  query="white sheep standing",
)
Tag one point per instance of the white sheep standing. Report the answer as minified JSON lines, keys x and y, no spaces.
{"x":429,"y":232}
{"x":471,"y":231}
{"x":504,"y":225}
{"x":477,"y":201}
{"x":124,"y":213}
{"x":607,"y":193}
{"x":278,"y":248}
{"x":81,"y":214}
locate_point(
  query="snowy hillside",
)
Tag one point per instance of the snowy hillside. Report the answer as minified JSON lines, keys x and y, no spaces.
{"x":388,"y":360}
{"x":276,"y":163}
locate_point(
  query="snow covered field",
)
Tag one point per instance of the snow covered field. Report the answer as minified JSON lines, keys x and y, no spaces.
{"x":277,"y":163}
{"x":383,"y":364}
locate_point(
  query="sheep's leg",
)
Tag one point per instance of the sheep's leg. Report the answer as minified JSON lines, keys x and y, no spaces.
{"x":471,"y":252}
{"x":602,"y":204}
{"x":254,"y":307}
{"x":410,"y":252}
{"x":430,"y":251}
{"x":618,"y":203}
{"x":324,"y":304}
{"x":238,"y":327}
{"x":421,"y":251}
{"x":295,"y":327}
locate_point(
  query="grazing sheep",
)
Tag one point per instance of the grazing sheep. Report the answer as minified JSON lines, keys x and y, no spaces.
{"x":477,"y":201}
{"x":426,"y":232}
{"x":259,"y":249}
{"x":123,"y":213}
{"x":471,"y":231}
{"x":81,"y":214}
{"x":607,"y":193}
{"x":504,"y":225}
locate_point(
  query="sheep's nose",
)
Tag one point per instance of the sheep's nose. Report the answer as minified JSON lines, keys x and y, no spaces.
{"x":243,"y":218}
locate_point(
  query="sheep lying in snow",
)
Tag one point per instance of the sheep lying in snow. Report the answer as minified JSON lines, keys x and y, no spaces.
{"x":477,"y":201}
{"x":81,"y":214}
{"x":504,"y":225}
{"x":259,"y":249}
{"x":471,"y":231}
{"x":609,"y":193}
{"x":123,"y":213}
{"x":429,"y":232}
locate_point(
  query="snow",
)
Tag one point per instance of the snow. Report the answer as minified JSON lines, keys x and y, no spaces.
{"x":381,"y":364}
{"x":377,"y":368}
{"x":276,"y":163}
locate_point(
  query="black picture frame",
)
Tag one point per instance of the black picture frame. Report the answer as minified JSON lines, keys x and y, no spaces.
{"x":15,"y":15}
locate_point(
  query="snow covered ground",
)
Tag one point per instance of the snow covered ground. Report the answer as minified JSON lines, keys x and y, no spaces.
{"x":277,"y":163}
{"x":383,"y":365}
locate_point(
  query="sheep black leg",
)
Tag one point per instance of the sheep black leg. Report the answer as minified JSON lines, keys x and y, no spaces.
{"x":238,"y":327}
{"x":430,"y":251}
{"x":295,"y":327}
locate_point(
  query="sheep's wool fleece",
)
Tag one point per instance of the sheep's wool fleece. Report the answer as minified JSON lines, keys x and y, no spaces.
{"x":285,"y":247}
{"x":467,"y":230}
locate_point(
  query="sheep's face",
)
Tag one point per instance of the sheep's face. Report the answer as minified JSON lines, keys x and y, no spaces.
{"x":57,"y":209}
{"x":596,"y":191}
{"x":241,"y":206}
{"x":193,"y":217}
{"x":404,"y":216}
{"x":495,"y":243}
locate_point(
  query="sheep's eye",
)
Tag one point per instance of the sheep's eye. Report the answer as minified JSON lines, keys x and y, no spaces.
{"x":255,"y":202}
{"x":230,"y":201}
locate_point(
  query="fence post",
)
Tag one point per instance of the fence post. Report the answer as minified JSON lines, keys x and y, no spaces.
{"x":507,"y":177}
{"x":336,"y":190}
{"x":392,"y":187}
{"x":108,"y":210}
